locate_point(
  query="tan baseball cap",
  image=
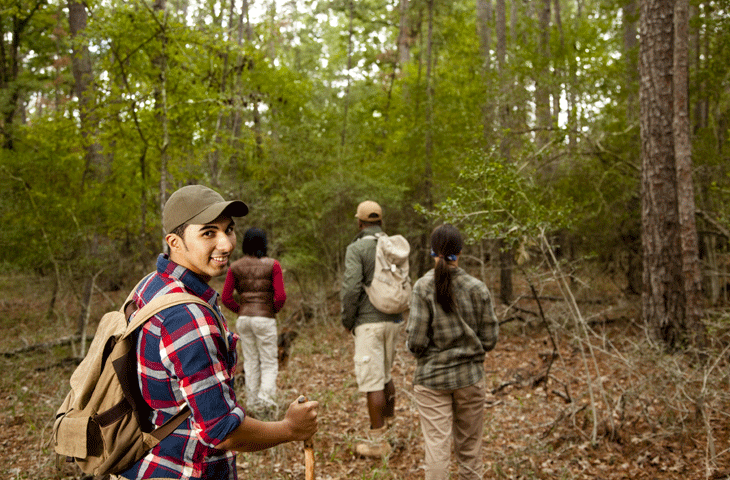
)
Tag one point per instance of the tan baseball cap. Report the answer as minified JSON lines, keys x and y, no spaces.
{"x":369,"y":211}
{"x":198,"y":205}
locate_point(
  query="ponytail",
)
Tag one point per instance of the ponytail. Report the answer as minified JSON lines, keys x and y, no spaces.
{"x":446,"y":244}
{"x":444,"y":289}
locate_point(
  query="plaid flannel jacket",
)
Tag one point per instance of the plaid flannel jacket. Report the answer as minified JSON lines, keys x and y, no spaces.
{"x":450,"y":348}
{"x":182,"y":359}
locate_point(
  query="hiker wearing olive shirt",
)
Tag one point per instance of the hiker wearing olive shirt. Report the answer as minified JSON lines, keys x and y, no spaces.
{"x":375,"y":332}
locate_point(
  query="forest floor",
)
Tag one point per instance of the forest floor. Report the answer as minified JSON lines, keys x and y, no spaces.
{"x":594,"y":401}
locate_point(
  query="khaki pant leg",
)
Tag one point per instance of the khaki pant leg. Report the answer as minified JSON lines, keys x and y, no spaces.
{"x":435,"y":412}
{"x":390,"y":338}
{"x":468,"y":430}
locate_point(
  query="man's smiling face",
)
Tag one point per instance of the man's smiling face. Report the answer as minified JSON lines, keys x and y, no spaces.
{"x":204,"y":249}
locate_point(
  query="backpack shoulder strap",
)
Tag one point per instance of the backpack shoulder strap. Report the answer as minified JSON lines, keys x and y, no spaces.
{"x":375,"y":236}
{"x":171,"y":425}
{"x":158,"y":304}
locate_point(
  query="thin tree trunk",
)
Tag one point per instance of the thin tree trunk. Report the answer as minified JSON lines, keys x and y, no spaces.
{"x":506,"y":265}
{"x":160,"y":107}
{"x":504,"y":118}
{"x":542,"y":90}
{"x":350,"y":33}
{"x":84,"y":91}
{"x":698,"y":86}
{"x":630,"y":55}
{"x":559,"y":70}
{"x":404,"y":38}
{"x":484,"y":17}
{"x":214,"y":158}
{"x":428,"y":141}
{"x":692,"y":277}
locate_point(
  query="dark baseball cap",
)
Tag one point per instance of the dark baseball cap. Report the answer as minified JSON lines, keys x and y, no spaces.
{"x":198,"y":205}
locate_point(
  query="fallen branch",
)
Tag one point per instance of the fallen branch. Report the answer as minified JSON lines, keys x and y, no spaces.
{"x":563,"y":415}
{"x":61,"y":363}
{"x":514,"y":318}
{"x":605,"y":321}
{"x":42,"y":346}
{"x":505,"y":385}
{"x":594,"y":301}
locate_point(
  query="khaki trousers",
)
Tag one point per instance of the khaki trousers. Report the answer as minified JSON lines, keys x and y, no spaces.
{"x":452,"y":414}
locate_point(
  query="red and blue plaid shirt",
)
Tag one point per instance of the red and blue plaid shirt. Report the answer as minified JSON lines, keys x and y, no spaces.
{"x":182,"y":359}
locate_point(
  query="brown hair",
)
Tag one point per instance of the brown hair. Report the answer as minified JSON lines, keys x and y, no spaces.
{"x":446,"y":243}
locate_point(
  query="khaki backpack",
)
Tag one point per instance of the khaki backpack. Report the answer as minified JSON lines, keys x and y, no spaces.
{"x":103,"y":424}
{"x":390,"y":290}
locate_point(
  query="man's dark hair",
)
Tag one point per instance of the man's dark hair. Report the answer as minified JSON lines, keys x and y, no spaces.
{"x":370,"y":224}
{"x":180,"y":231}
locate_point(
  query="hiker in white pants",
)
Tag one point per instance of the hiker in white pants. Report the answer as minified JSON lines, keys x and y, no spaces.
{"x":258,"y":280}
{"x":260,"y":359}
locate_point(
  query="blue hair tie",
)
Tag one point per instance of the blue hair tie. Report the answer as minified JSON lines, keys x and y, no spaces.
{"x":449,"y":258}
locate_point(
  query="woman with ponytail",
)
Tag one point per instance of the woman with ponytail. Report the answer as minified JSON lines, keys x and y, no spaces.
{"x":450,"y":328}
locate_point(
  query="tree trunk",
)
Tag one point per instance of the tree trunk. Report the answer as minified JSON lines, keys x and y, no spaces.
{"x":160,"y":107}
{"x":698,"y":87}
{"x":10,"y":67}
{"x":542,"y":91}
{"x":427,"y":144}
{"x":632,"y":68}
{"x":506,"y":264}
{"x":484,"y":14}
{"x":666,"y":301}
{"x":350,"y":33}
{"x":84,"y":91}
{"x":404,"y":36}
{"x":504,"y":119}
{"x":558,"y":70}
{"x":691,"y":274}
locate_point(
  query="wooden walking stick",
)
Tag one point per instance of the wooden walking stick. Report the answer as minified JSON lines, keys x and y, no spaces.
{"x":308,"y":452}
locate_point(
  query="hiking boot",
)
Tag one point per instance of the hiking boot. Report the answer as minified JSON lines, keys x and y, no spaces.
{"x":376,"y":446}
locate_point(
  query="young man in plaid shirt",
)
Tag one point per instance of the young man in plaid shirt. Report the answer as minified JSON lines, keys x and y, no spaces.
{"x":184,"y":358}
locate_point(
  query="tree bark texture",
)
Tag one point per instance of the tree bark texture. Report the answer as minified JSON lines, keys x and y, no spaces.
{"x":404,"y":36}
{"x":542,"y":90}
{"x":428,"y":140}
{"x":160,"y":108}
{"x":84,"y":90}
{"x":663,"y":295}
{"x":484,"y":14}
{"x":630,"y":41}
{"x":691,"y":273}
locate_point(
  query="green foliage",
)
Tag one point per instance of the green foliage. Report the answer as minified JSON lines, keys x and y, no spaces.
{"x":495,"y":199}
{"x":273,"y":115}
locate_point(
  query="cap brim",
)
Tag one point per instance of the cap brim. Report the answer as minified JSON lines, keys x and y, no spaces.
{"x":234,"y":208}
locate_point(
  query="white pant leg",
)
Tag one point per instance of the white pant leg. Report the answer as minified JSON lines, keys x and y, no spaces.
{"x":265,"y":329}
{"x":250,"y":351}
